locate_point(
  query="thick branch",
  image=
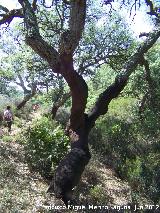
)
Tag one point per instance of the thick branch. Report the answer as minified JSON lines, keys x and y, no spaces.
{"x":8,"y":16}
{"x":77,"y":20}
{"x":27,"y":97}
{"x":60,"y":103}
{"x":62,"y":64}
{"x":70,"y":38}
{"x":152,"y":8}
{"x":34,"y":39}
{"x":79,"y":91}
{"x":101,"y":106}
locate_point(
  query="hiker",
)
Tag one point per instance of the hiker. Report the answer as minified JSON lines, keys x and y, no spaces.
{"x":8,"y":117}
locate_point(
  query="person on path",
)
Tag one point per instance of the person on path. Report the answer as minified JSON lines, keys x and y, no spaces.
{"x":8,"y":118}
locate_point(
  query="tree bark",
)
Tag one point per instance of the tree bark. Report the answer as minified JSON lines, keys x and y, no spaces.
{"x":62,"y":62}
{"x":59,"y":103}
{"x":101,"y":105}
{"x":25,"y":100}
{"x":28,"y":94}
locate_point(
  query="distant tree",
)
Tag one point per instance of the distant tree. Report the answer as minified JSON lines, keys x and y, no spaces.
{"x":26,"y":70}
{"x":67,"y":34}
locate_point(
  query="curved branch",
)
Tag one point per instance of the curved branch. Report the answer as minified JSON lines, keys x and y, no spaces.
{"x":28,"y":96}
{"x":101,"y":105}
{"x":10,"y":15}
{"x":62,"y":64}
{"x":34,"y":39}
{"x":79,"y":91}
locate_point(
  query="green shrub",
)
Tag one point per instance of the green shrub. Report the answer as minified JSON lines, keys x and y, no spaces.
{"x":132,"y":148}
{"x":114,"y":138}
{"x":7,"y":138}
{"x":62,"y":116}
{"x":17,"y":122}
{"x":45,"y":145}
{"x":97,"y":195}
{"x":24,"y":112}
{"x":132,"y":171}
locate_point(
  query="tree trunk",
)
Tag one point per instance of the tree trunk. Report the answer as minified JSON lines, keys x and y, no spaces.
{"x":69,"y":171}
{"x":59,"y":103}
{"x":24,"y":101}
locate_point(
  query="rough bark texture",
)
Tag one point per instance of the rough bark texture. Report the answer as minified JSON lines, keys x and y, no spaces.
{"x":68,"y":174}
{"x":62,"y":62}
{"x":79,"y":91}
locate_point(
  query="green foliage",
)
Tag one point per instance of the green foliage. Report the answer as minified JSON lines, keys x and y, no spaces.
{"x":130,"y":145}
{"x":62,"y":116}
{"x":45,"y":145}
{"x":18,"y":122}
{"x":24,"y":113}
{"x":151,"y":174}
{"x":131,"y":169}
{"x":5,"y":100}
{"x":7,"y":138}
{"x":97,"y":194}
{"x":150,"y":122}
{"x":128,"y":142}
{"x":133,"y":152}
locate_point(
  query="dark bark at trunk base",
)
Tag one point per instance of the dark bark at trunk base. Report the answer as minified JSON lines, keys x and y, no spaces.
{"x":22,"y":104}
{"x":54,"y":111}
{"x":68,"y":174}
{"x":70,"y":169}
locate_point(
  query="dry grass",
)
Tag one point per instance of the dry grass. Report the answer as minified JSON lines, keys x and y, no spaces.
{"x":24,"y":191}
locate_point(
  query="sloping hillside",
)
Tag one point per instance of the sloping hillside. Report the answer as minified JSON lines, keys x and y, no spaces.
{"x":24,"y":191}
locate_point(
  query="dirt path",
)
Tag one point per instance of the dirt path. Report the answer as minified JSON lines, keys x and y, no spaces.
{"x":22,"y":191}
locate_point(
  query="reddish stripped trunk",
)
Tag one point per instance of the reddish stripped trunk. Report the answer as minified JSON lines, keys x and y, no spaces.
{"x":79,"y":90}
